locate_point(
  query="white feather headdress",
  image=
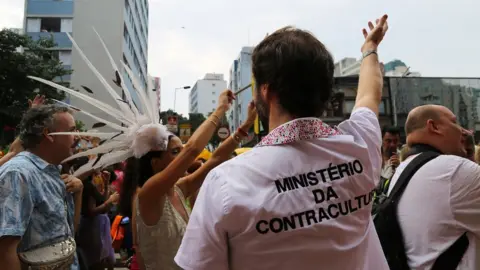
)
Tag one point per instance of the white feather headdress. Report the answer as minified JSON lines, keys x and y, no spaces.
{"x":140,"y":132}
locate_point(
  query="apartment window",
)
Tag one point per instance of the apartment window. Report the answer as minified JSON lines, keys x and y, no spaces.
{"x":213,"y":101}
{"x":65,"y":57}
{"x":51,"y":25}
{"x":130,"y":46}
{"x":66,"y":25}
{"x":381,"y":108}
{"x":213,"y":84}
{"x":214,"y":93}
{"x":135,"y":61}
{"x":33,"y":25}
{"x":125,"y":32}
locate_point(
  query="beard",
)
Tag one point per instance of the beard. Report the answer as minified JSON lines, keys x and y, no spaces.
{"x":262,"y":110}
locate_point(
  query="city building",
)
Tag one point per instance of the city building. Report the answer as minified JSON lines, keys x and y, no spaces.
{"x":347,"y":66}
{"x":240,"y":77}
{"x":341,"y":105}
{"x":124,"y":31}
{"x":350,"y":66}
{"x":125,"y":34}
{"x":204,"y":94}
{"x":51,"y":19}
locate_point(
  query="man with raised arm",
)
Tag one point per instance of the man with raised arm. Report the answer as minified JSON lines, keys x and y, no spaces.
{"x":301,"y":199}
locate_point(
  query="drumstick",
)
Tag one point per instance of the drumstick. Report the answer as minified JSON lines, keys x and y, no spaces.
{"x":242,"y":89}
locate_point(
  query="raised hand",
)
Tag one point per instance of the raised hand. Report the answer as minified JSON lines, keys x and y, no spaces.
{"x":225,"y":100}
{"x":37,"y":101}
{"x":114,"y":198}
{"x":72,"y":183}
{"x":377,"y":32}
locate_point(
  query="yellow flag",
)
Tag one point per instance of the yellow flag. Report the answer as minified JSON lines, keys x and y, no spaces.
{"x":256,"y":125}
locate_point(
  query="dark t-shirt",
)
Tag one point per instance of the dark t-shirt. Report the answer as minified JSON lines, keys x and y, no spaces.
{"x":90,"y":191}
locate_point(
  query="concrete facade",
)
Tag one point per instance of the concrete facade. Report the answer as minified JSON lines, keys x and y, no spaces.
{"x":240,"y":76}
{"x":204,"y":94}
{"x":120,"y":32}
{"x":51,"y":19}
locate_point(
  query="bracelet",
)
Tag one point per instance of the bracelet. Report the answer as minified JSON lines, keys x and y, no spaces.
{"x":236,"y":138}
{"x":242,"y":132}
{"x":369,"y":52}
{"x":218,"y":118}
{"x":213,"y":122}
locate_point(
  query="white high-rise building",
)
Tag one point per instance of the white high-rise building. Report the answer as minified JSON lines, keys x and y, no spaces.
{"x":124,"y":31}
{"x":205,"y":92}
{"x":240,"y":77}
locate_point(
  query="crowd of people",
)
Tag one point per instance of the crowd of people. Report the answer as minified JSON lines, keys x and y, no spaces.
{"x":307,"y":196}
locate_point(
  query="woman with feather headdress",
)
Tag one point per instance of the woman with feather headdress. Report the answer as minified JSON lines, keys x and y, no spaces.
{"x":156,"y":185}
{"x":156,"y":157}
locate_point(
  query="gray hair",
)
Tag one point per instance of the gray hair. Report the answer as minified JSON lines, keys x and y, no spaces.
{"x":34,"y":122}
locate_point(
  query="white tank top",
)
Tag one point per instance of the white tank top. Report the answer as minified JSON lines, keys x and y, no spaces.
{"x":159,"y":243}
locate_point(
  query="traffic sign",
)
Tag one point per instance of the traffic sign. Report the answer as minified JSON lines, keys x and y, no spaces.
{"x":172,"y":123}
{"x":223,"y":133}
{"x":185,"y":131}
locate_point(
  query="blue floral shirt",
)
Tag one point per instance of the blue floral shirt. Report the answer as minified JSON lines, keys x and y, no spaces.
{"x":32,"y":203}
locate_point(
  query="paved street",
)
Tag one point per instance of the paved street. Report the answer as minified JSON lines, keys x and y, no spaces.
{"x":117,"y":257}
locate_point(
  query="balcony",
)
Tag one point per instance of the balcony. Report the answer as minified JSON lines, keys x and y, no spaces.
{"x":60,"y":38}
{"x":49,"y":7}
{"x":65,"y":78}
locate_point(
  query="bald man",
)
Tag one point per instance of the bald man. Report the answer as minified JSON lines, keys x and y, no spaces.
{"x":442,"y":199}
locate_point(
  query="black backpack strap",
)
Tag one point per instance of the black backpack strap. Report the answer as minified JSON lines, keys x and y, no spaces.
{"x":399,"y":260}
{"x":407,"y":174}
{"x":450,"y":258}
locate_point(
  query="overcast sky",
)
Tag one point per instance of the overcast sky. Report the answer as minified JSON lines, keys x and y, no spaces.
{"x":190,"y":38}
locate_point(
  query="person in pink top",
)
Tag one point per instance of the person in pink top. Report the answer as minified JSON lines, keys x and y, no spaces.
{"x":118,"y":182}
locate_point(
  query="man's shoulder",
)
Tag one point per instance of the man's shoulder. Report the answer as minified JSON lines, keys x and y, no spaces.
{"x":18,"y":164}
{"x":19,"y":168}
{"x":460,"y":166}
{"x":453,"y":163}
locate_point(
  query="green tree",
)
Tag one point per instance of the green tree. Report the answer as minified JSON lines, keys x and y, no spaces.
{"x":80,"y":126}
{"x":195,"y":119}
{"x":38,"y":59}
{"x":165,"y":114}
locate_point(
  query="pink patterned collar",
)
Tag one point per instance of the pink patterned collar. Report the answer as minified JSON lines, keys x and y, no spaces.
{"x":298,"y":130}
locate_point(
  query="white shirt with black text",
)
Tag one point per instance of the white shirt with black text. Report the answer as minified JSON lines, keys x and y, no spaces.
{"x":253,"y":212}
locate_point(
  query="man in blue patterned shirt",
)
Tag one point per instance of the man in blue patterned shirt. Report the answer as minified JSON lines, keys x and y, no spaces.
{"x":33,"y":194}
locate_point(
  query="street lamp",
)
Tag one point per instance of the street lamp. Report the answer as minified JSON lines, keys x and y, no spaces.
{"x":175,"y":100}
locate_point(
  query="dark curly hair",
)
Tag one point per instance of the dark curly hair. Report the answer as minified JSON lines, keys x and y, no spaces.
{"x":35,"y":120}
{"x":298,"y":70}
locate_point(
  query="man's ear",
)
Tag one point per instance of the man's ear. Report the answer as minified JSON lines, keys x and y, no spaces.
{"x":432,"y":127}
{"x":48,"y":137}
{"x":264,"y":91}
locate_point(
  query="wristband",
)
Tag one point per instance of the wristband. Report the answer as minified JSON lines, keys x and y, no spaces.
{"x":242,"y":132}
{"x":368,"y":53}
{"x":236,"y":138}
{"x":213,"y":122}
